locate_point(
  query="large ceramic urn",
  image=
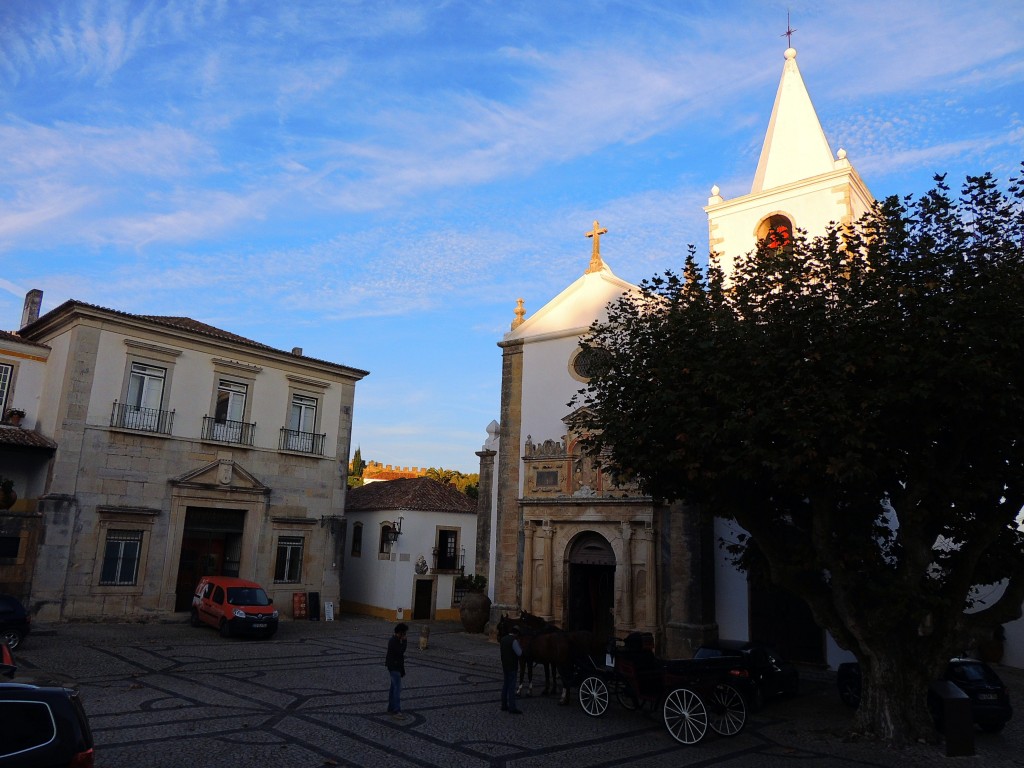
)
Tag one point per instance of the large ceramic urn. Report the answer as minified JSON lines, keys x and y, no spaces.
{"x":475,"y":610}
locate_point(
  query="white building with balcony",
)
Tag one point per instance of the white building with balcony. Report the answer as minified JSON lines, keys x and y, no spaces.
{"x":407,"y":544}
{"x":180,"y":450}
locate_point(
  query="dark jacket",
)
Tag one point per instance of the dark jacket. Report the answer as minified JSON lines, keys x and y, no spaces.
{"x":395,"y":660}
{"x":511,"y":650}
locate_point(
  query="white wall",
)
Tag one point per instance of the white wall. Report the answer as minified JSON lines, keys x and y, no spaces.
{"x":731,"y":590}
{"x":388,"y":584}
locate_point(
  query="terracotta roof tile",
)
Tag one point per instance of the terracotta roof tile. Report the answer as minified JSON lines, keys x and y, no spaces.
{"x":12,"y":336}
{"x":24,"y":438}
{"x":186,"y":324}
{"x":421,"y":493}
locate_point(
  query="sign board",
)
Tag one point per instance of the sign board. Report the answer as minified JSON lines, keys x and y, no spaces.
{"x":328,"y":611}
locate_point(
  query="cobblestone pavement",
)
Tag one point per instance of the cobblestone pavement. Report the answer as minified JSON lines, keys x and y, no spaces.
{"x":167,"y":694}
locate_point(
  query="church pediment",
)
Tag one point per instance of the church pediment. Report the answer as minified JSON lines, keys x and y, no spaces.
{"x":576,"y":420}
{"x":223,"y":474}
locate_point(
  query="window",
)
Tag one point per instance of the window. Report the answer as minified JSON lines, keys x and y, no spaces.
{"x":24,"y":726}
{"x":145,"y":395}
{"x":121,"y":558}
{"x":301,"y":425}
{"x":357,"y":539}
{"x":303,"y":414}
{"x":547,"y":478}
{"x":229,"y":411}
{"x":385,"y":539}
{"x":10,"y":546}
{"x":588,"y":362}
{"x":289,"y":560}
{"x":6,"y":373}
{"x":447,"y":550}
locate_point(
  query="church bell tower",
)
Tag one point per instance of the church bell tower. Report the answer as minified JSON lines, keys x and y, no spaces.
{"x":798,"y":182}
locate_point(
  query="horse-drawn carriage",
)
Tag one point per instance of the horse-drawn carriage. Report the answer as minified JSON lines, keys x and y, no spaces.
{"x":691,"y":695}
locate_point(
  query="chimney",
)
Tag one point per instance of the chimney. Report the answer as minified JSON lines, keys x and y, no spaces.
{"x":297,"y":351}
{"x":33,"y":300}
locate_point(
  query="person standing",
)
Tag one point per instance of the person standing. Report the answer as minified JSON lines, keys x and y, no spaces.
{"x":511,"y":651}
{"x":395,"y":663}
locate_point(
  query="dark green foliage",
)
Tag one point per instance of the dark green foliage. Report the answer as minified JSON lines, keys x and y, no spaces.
{"x":357,"y":465}
{"x":850,"y":401}
{"x":463,"y":483}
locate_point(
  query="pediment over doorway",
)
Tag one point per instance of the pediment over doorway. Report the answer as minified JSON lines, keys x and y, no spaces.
{"x":222,"y":474}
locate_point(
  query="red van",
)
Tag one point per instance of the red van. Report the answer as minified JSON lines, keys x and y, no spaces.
{"x":234,"y":606}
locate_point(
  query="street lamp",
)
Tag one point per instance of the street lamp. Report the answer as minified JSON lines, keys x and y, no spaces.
{"x":394,"y":530}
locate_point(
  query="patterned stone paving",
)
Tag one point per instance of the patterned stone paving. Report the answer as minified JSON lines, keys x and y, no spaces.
{"x":166,"y":694}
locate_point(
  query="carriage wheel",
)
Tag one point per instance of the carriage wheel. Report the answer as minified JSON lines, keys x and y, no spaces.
{"x":594,"y":696}
{"x":727,"y":712}
{"x":624,"y":695}
{"x":685,"y":716}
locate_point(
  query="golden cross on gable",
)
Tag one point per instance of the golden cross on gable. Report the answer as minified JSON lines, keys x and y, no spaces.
{"x":595,"y":257}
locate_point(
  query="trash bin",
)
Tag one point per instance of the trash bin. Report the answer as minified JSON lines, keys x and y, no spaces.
{"x":298,"y":605}
{"x":951,"y":708}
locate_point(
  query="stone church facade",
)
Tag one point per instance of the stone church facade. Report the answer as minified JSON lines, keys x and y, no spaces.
{"x":569,"y":544}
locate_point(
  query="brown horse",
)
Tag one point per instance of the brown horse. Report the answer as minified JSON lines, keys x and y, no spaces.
{"x":535,"y":625}
{"x":581,"y":642}
{"x":544,"y":646}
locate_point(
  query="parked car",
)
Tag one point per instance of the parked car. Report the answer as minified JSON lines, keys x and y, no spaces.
{"x":990,"y":698}
{"x":15,"y":622}
{"x":42,"y":721}
{"x":234,"y":606}
{"x":771,"y":675}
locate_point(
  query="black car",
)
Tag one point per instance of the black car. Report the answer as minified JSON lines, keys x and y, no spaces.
{"x":771,"y":676}
{"x":42,"y":721}
{"x":990,"y":699}
{"x":14,"y":621}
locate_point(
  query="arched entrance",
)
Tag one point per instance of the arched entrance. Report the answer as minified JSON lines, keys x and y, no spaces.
{"x":591,"y":598}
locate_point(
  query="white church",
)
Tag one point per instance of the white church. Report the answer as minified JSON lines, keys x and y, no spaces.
{"x":558,"y":538}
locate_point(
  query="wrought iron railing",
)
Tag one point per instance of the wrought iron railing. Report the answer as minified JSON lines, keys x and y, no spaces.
{"x":227,"y":431}
{"x":303,"y":442}
{"x":126,"y":416}
{"x":444,"y":563}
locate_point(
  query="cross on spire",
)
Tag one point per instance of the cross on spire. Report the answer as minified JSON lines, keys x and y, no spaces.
{"x":788,"y":34}
{"x":595,"y":257}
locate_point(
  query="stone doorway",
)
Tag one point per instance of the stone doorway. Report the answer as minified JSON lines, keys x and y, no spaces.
{"x":591,"y":598}
{"x":423,"y":600}
{"x":211,"y":545}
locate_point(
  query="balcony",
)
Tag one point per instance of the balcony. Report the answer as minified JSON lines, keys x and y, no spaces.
{"x":125,"y":416}
{"x":227,"y":431}
{"x":302,"y":442}
{"x":449,"y":562}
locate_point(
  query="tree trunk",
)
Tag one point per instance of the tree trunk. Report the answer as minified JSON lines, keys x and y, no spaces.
{"x":894,"y":700}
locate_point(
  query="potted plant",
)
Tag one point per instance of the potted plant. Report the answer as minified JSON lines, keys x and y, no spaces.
{"x":14,"y":416}
{"x":475,"y":606}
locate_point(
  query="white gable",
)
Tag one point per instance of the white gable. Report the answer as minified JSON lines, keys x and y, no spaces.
{"x":573,"y":310}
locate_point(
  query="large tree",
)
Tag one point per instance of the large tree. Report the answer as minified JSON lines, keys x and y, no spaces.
{"x":856,"y":403}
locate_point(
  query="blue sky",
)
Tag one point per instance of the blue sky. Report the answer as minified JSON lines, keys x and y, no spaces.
{"x":378,"y":182}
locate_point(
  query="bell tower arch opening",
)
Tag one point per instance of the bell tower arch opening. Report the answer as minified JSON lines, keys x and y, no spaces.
{"x":777,"y":231}
{"x":591,"y":597}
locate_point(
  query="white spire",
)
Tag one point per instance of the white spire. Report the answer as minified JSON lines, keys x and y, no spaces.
{"x":795,"y":147}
